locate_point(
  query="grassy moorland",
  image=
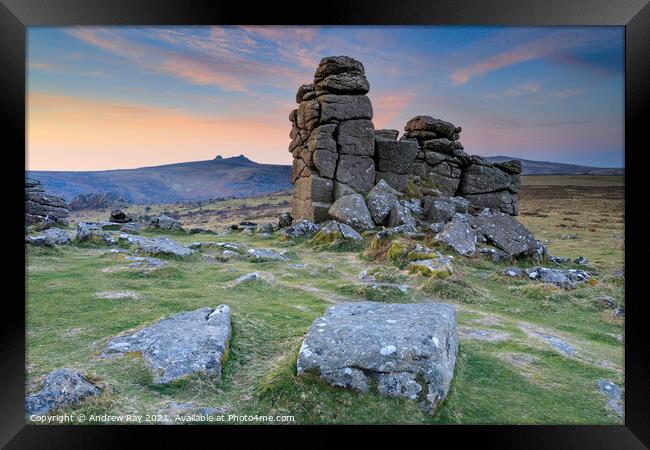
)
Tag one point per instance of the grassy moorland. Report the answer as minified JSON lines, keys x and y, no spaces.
{"x":516,"y":379}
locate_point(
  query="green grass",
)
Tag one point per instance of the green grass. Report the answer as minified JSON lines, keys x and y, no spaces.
{"x":67,"y":326}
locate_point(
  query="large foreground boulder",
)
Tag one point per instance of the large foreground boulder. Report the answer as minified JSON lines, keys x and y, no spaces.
{"x":506,"y":233}
{"x":408,"y":350}
{"x":181,"y":345}
{"x":61,"y":388}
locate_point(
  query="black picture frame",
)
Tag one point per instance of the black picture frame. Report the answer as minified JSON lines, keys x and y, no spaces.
{"x":634,"y":15}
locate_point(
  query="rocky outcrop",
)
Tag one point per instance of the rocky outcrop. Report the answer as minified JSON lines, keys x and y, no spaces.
{"x":41,"y":207}
{"x":99,"y":200}
{"x":337,"y":153}
{"x":165,"y":222}
{"x":405,"y":350}
{"x":441,"y":163}
{"x":181,"y":345}
{"x":332,"y":138}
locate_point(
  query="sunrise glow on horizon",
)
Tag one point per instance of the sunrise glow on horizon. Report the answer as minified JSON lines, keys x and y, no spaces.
{"x":124,"y":97}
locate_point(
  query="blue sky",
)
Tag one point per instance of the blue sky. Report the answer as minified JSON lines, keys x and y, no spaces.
{"x":118,"y":97}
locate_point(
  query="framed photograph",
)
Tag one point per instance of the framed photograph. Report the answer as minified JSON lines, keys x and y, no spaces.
{"x":374,"y":219}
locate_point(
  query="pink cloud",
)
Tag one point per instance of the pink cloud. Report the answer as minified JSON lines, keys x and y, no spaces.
{"x":556,"y":45}
{"x":388,"y":108}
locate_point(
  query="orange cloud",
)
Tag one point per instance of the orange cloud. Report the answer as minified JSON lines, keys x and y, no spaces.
{"x":76,"y":133}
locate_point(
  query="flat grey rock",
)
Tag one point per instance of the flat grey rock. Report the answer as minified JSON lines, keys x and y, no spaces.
{"x":566,"y":278}
{"x":61,"y":388}
{"x":49,"y":238}
{"x":181,"y":345}
{"x":110,"y":295}
{"x":614,"y":395}
{"x":409,"y":350}
{"x":159,"y":246}
{"x":265,"y":254}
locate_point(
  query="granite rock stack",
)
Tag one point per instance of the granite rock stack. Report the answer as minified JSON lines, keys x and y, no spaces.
{"x":337,"y":153}
{"x":332,"y":138}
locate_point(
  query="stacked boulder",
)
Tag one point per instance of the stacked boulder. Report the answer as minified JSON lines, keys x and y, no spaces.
{"x":332,"y":138}
{"x":41,"y":207}
{"x":441,"y":165}
{"x":394,"y":159}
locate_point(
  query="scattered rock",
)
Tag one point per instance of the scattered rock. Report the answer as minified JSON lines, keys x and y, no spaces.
{"x":302,"y":228}
{"x":381,"y":200}
{"x":408,"y":230}
{"x":118,"y":216}
{"x":440,"y":267}
{"x":606,"y":301}
{"x":484,"y":335}
{"x":181,"y":345}
{"x":265,"y":254}
{"x":414,"y":205}
{"x":61,"y":388}
{"x":400,"y":216}
{"x":333,"y":232}
{"x":130,"y":227}
{"x":352,"y":210}
{"x":49,"y":238}
{"x":164,"y":222}
{"x":409,"y":350}
{"x":253,"y":276}
{"x":459,"y":235}
{"x":439,"y":210}
{"x":506,"y":233}
{"x":110,"y":295}
{"x":613,"y":393}
{"x":581,"y":260}
{"x":145,"y":262}
{"x":437,"y":227}
{"x":160,"y":246}
{"x":285,"y":220}
{"x":566,"y":278}
{"x":558,"y":344}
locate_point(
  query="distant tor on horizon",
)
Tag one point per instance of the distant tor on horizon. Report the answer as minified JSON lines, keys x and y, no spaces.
{"x":223,"y":177}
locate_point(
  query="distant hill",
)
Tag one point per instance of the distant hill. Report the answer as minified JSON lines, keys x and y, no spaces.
{"x":188,"y":181}
{"x":555,"y":168}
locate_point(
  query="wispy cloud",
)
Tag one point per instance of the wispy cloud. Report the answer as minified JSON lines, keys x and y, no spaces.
{"x":557,"y":45}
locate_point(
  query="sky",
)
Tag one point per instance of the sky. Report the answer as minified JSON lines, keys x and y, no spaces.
{"x":123,"y":97}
